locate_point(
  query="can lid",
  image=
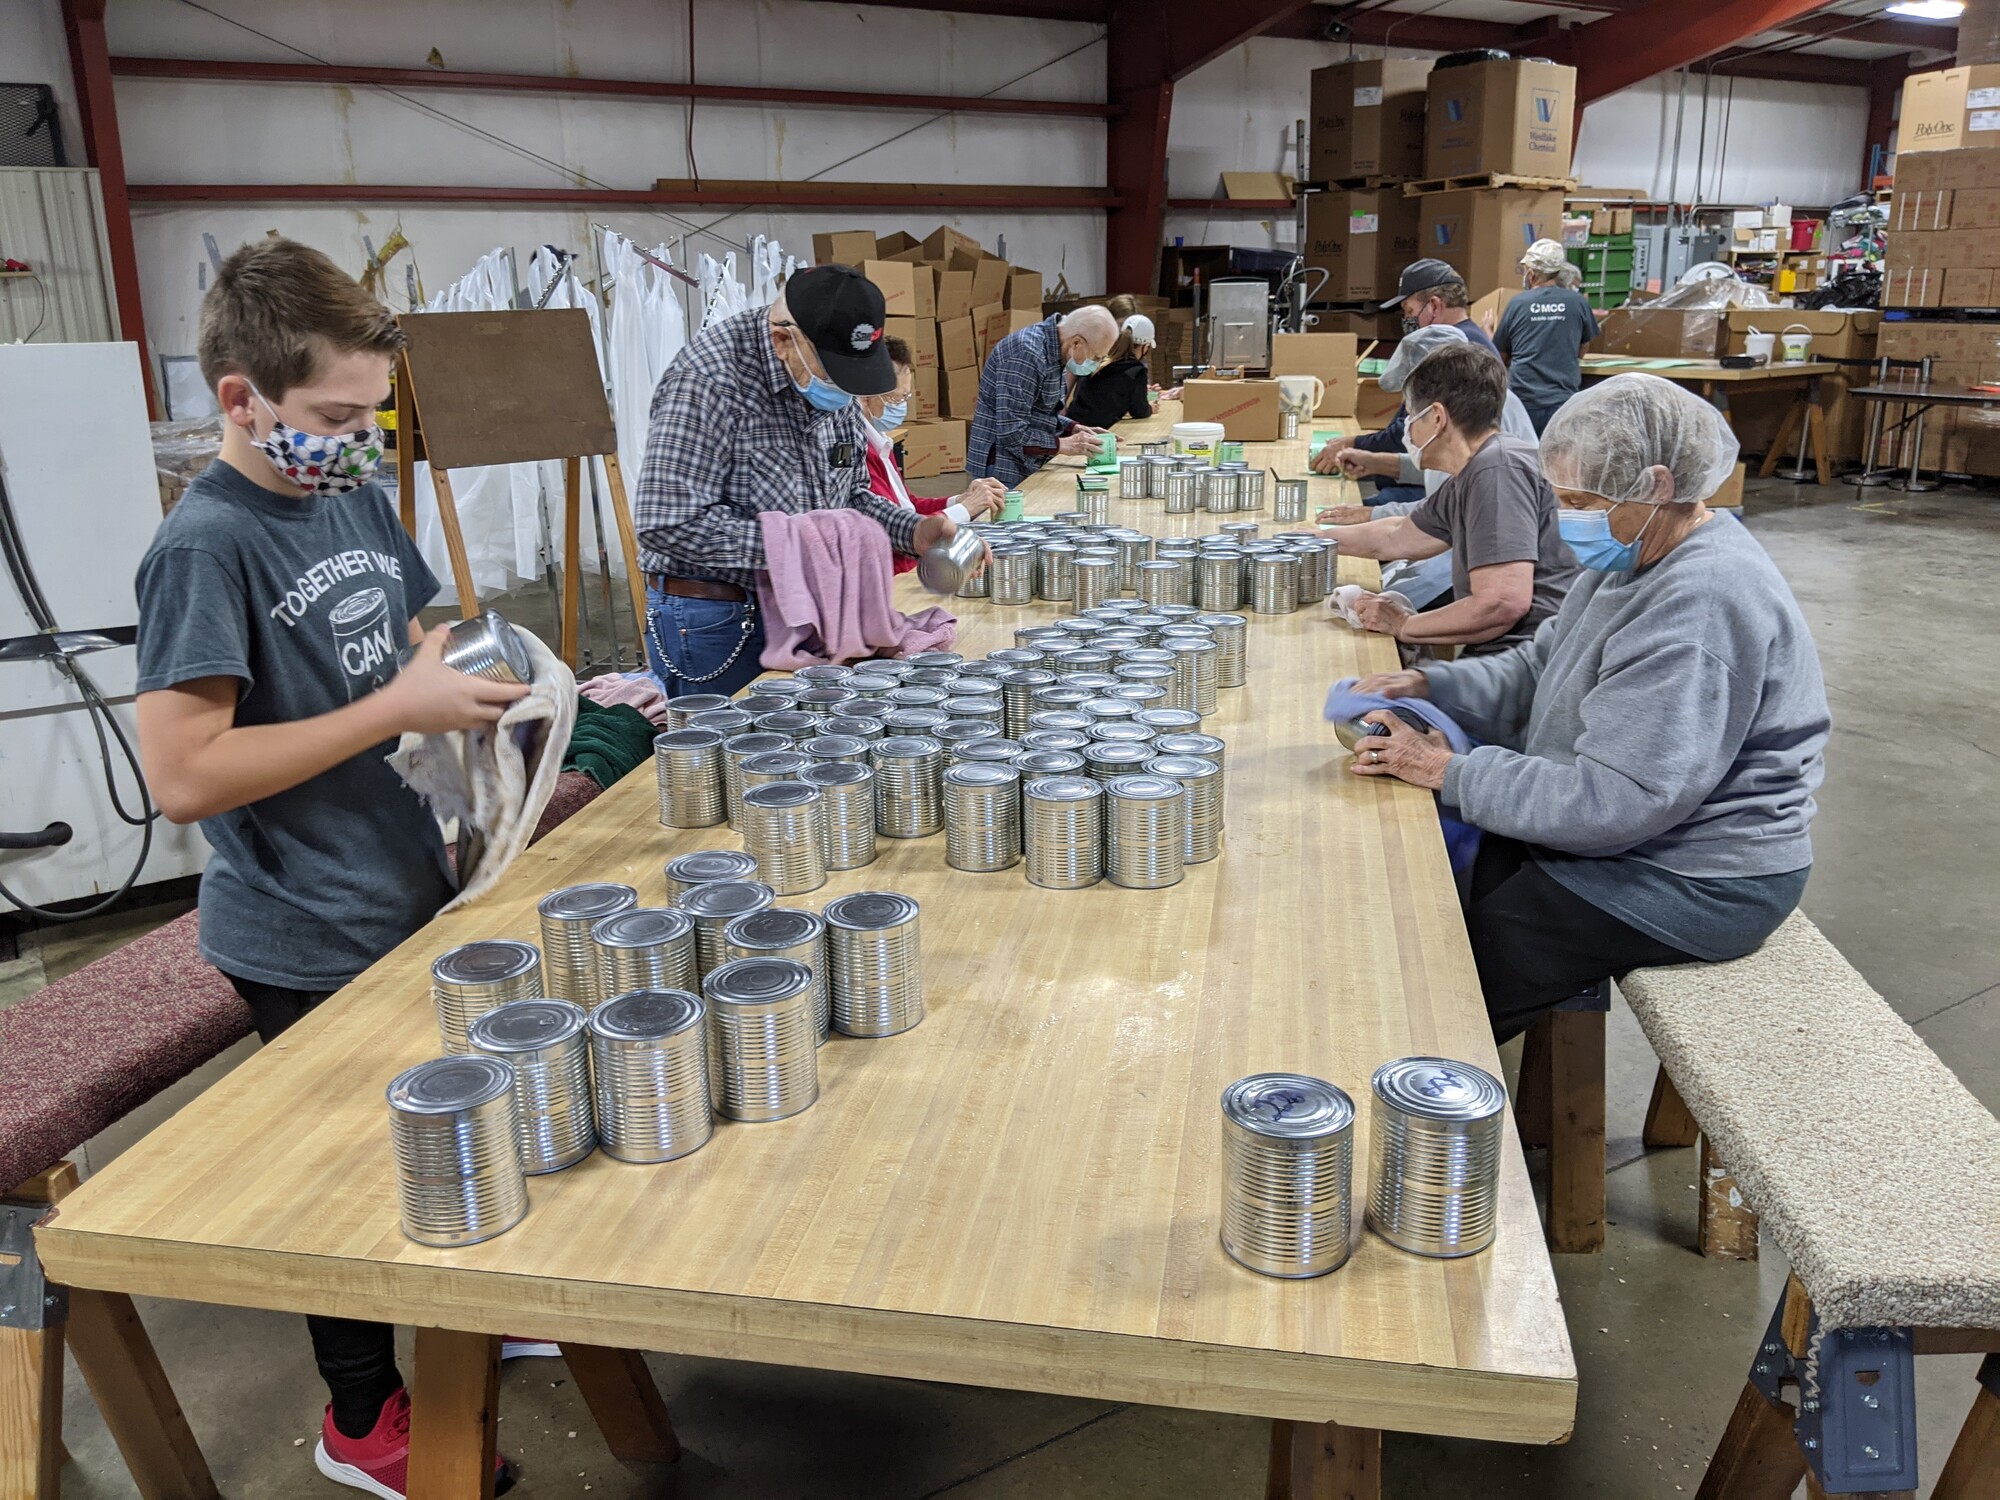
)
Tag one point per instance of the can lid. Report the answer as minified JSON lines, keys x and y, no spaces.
{"x":833,"y":746}
{"x":642,"y":927}
{"x":935,"y":659}
{"x":778,"y":762}
{"x":979,"y":773}
{"x":1188,"y":744}
{"x":646,"y":1015}
{"x":1141,"y":788}
{"x":1182,"y":645}
{"x":871,"y":682}
{"x":1047,"y":763}
{"x":1159,"y":565}
{"x":1109,"y":708}
{"x":1183,"y":767}
{"x":835,"y":773}
{"x":446,"y":1085}
{"x":786,"y":720}
{"x":913,"y":718}
{"x":780,"y":794}
{"x":1287,"y":1106}
{"x":1065,"y":789}
{"x":1122,"y":732}
{"x":1112,"y":753}
{"x":688,"y":739}
{"x":1060,"y":719}
{"x":1436,"y":1088}
{"x":755,"y":981}
{"x":973,"y":704}
{"x":729,"y":720}
{"x":1168,"y":718}
{"x":525,"y":1026}
{"x":823,"y":698}
{"x":774,"y":927}
{"x":704,"y":865}
{"x":858,"y":708}
{"x":594,"y":899}
{"x":726,"y":898}
{"x":905,"y":747}
{"x":1221,"y":621}
{"x":486,"y":962}
{"x":867,"y":911}
{"x":761,"y":742}
{"x":992,"y":750}
{"x":916,"y":697}
{"x":824,"y":671}
{"x":694,"y":703}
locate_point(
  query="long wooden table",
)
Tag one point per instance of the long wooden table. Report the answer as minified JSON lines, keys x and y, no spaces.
{"x":1021,"y":1192}
{"x":1805,"y":418}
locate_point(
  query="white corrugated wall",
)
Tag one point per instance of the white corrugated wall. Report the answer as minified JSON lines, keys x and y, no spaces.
{"x":53,"y":219}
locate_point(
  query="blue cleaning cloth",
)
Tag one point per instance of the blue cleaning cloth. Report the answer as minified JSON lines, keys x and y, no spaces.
{"x":1461,"y":840}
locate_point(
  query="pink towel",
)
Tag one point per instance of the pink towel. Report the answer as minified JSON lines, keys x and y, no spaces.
{"x":826,"y":593}
{"x":641,"y":690}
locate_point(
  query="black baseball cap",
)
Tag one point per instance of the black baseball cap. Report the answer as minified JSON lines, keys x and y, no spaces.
{"x":840,"y":312}
{"x":1420,"y":276}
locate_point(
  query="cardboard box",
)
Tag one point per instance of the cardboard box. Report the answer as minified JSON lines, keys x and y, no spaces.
{"x":924,"y":387}
{"x":958,"y":345}
{"x":1362,"y":240}
{"x":1247,"y":409}
{"x":1486,"y":310}
{"x":954,"y":295}
{"x":1660,"y":333}
{"x":1369,"y":327}
{"x":1023,"y":317}
{"x":958,"y":393}
{"x":1621,"y":221}
{"x":923,"y":285}
{"x":921,"y":335}
{"x":1367,"y":119}
{"x":1955,"y":109}
{"x":1912,"y":286}
{"x":943,"y":242}
{"x":989,"y":282}
{"x":932,"y":448}
{"x":1024,"y":290}
{"x":896,"y":280}
{"x":1256,"y":186}
{"x":1966,"y":208}
{"x":1516,"y":116}
{"x":844,"y":247}
{"x":1330,"y":356}
{"x":899,"y":243}
{"x":989,"y":326}
{"x":1920,"y":208}
{"x":1730,"y":496}
{"x":1481,"y":232}
{"x":1968,"y":286}
{"x":1756,"y":413}
{"x":1374,"y":408}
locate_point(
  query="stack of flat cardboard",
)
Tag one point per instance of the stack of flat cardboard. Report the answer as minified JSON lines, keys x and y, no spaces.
{"x":1962,"y":441}
{"x":1944,"y":230}
{"x":951,"y":302}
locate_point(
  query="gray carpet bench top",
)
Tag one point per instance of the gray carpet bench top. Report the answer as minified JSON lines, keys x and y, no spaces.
{"x":1874,"y":1169}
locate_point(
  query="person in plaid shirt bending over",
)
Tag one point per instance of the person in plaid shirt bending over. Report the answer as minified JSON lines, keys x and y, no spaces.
{"x":1018,"y":424}
{"x":758,"y":413}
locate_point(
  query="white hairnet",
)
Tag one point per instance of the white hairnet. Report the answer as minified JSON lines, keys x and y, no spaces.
{"x":1545,"y":258}
{"x":1141,"y":328}
{"x":1417,"y":346}
{"x":1619,"y":439}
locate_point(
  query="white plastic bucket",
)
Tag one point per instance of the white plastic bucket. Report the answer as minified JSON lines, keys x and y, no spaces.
{"x":1758,"y":345}
{"x":1798,"y":345}
{"x":1197,"y":438}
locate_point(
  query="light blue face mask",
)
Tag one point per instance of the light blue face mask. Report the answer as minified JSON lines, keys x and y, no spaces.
{"x":1588,"y":534}
{"x":1081,"y":368}
{"x":892,"y":417}
{"x":824,"y":395}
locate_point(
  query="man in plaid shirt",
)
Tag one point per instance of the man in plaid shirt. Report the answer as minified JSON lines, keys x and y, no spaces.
{"x":1018,"y":423}
{"x":758,"y":413}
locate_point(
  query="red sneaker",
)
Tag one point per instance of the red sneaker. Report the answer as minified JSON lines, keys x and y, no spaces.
{"x":379,"y":1464}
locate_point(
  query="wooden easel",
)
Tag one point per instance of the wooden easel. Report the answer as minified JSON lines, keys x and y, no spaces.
{"x":480,"y":388}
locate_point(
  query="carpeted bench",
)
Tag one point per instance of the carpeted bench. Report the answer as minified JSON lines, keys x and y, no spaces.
{"x":75,"y":1058}
{"x":1878,"y":1174}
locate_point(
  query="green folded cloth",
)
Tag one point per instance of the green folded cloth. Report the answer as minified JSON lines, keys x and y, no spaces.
{"x":609,"y":740}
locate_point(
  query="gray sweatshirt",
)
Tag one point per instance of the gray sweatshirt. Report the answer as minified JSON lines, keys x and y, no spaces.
{"x":1674,"y":716}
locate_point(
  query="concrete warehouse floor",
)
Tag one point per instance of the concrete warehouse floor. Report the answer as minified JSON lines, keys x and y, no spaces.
{"x":1898,"y":591}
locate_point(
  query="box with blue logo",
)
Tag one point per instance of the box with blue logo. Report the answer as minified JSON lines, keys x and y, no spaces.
{"x":1515,"y":117}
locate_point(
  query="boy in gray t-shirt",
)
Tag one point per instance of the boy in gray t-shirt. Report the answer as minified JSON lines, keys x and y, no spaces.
{"x":273,"y":603}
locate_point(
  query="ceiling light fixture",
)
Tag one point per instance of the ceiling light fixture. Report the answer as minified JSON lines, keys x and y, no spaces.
{"x":1929,"y":10}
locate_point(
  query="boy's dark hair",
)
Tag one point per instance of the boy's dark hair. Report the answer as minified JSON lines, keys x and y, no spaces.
{"x":899,"y":350}
{"x":278,"y":308}
{"x":1468,"y":380}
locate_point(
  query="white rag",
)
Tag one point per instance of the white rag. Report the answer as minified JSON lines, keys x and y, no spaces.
{"x":496,"y":781}
{"x":1343,"y":599}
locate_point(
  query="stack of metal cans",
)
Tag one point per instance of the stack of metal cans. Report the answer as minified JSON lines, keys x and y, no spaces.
{"x":766,"y":1037}
{"x":1011,"y":575}
{"x":1195,"y":669}
{"x":645,"y":948}
{"x":1228,"y":631}
{"x":1063,"y":830}
{"x":909,"y":791}
{"x":569,"y":957}
{"x":1287,"y":1174}
{"x":982,"y":817}
{"x":714,"y":906}
{"x":1145,"y":830}
{"x":473,"y":978}
{"x":847,"y":794}
{"x":1274,"y":583}
{"x":649,"y":1063}
{"x":543,"y":1042}
{"x":786,"y":932}
{"x":689,"y":764}
{"x":1434,"y":1155}
{"x":875,"y":963}
{"x":737,"y":749}
{"x":683,"y":709}
{"x":704,"y":867}
{"x":453,"y":1136}
{"x":784,"y":826}
{"x":1202,"y":780}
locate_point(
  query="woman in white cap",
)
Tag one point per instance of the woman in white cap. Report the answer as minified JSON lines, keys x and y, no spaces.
{"x":1543,"y":333}
{"x":1121,"y":385}
{"x":1648,"y":760}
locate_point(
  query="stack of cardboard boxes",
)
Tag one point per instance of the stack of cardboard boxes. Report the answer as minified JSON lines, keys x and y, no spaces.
{"x":1944,"y":230}
{"x":1958,"y":440}
{"x":1367,"y":140}
{"x":951,"y":302}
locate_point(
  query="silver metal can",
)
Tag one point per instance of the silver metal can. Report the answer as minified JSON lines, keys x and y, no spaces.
{"x":1063,"y":829}
{"x":765,"y":1037}
{"x":909,"y":789}
{"x":543,"y":1042}
{"x":703,"y":867}
{"x":1093,"y":580}
{"x":982,"y":817}
{"x":1145,"y":833}
{"x":786,"y":932}
{"x":1287,"y":1174}
{"x":1289,"y":502}
{"x":1434,"y":1155}
{"x":714,"y":906}
{"x":943,"y":569}
{"x":688,"y":763}
{"x":1202,"y":780}
{"x":1230,"y":633}
{"x":682,"y":709}
{"x":1163,"y":581}
{"x":784,"y":825}
{"x":1012,"y":575}
{"x":848,"y":793}
{"x":649,"y":1059}
{"x":737,"y":749}
{"x":473,"y":978}
{"x":569,"y":957}
{"x":645,"y":948}
{"x":1218,"y":578}
{"x":1274,"y":583}
{"x":453,"y":1137}
{"x":875,"y":959}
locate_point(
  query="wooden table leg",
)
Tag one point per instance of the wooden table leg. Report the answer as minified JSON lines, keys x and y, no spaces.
{"x":1780,"y":442}
{"x":1728,"y":1226}
{"x":1974,"y":1466}
{"x":31,"y":1390}
{"x":1757,"y":1457}
{"x":453,"y":1407}
{"x":137,"y":1403}
{"x":1668,"y":1121}
{"x":1576,"y":1132}
{"x":621,"y":1395}
{"x":1324,"y":1461}
{"x":1816,"y":429}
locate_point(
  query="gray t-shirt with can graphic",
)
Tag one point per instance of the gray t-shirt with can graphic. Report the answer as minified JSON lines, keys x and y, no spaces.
{"x":306,"y":603}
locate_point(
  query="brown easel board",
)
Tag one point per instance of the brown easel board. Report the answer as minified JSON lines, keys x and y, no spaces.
{"x":481,"y":388}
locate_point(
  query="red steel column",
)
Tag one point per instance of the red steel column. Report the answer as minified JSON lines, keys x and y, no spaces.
{"x":90,"y":62}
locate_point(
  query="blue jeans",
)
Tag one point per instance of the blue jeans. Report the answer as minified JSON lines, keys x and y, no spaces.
{"x":1539,"y":415}
{"x":687,"y":640}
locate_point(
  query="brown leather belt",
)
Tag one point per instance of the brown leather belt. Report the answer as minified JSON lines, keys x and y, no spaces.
{"x":695,"y":588}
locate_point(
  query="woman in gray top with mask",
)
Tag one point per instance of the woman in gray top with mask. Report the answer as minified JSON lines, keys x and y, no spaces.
{"x":1645,"y":782}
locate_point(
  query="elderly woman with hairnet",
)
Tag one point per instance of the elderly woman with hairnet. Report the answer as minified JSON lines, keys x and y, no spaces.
{"x":1645,"y":785}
